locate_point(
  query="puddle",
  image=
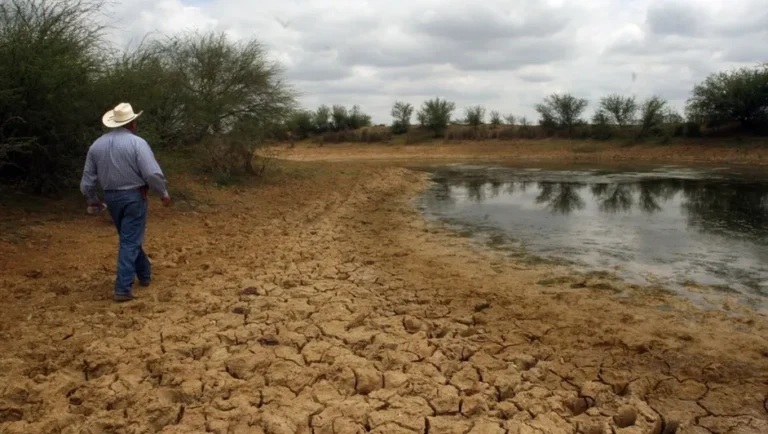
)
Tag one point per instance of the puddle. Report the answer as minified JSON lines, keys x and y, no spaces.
{"x":674,"y":226}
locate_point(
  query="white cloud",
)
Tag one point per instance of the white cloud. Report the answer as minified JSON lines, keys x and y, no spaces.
{"x":504,"y":55}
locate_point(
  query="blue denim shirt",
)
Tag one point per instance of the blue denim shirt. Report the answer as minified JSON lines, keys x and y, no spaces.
{"x":121,"y":160}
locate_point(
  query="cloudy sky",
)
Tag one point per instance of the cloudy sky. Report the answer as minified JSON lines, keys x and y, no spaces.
{"x":505,"y":55}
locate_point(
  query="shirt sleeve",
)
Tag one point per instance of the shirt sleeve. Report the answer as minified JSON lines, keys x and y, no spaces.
{"x":150,"y":169}
{"x":88,"y":183}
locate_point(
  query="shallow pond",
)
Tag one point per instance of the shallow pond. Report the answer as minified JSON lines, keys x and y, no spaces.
{"x":672,"y":226}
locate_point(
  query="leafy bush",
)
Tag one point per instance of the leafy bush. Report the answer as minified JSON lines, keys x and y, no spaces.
{"x":601,"y":125}
{"x":618,"y":110}
{"x":146,"y":68}
{"x":495,"y":119}
{"x":692,"y":130}
{"x":358,"y":119}
{"x":435,"y":115}
{"x":227,"y":88}
{"x":401,"y":113}
{"x":652,"y":116}
{"x":740,"y":95}
{"x":673,"y":123}
{"x":339,"y":117}
{"x":223,"y":83}
{"x":301,"y":124}
{"x":343,"y":119}
{"x":322,"y":119}
{"x":561,"y":111}
{"x":475,"y":115}
{"x":50,"y":56}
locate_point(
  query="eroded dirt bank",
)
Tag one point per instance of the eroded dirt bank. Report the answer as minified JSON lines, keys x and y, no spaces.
{"x":554,"y":151}
{"x":328,"y":306}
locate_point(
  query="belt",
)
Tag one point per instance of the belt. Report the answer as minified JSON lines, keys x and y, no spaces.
{"x":127,"y":189}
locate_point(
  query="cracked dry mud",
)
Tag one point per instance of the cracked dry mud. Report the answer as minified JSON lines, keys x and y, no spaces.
{"x":328,"y":306}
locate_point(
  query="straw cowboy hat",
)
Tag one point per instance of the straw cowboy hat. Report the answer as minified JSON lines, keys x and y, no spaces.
{"x":120,"y":115}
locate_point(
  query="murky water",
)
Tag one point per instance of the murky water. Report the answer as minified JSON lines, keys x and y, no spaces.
{"x":671,"y":226}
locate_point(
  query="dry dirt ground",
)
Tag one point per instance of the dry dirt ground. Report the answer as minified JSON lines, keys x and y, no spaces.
{"x":560,"y":151}
{"x":327,"y":305}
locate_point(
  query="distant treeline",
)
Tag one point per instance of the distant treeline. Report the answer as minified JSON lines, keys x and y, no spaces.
{"x":725,"y":101}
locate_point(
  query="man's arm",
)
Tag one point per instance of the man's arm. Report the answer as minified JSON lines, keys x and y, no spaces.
{"x":90,"y":179}
{"x":150,"y":170}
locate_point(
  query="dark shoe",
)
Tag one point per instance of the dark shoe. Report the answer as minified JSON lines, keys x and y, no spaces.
{"x":122,"y":298}
{"x":144,"y":284}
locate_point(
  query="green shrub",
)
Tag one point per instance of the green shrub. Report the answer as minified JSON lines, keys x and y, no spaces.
{"x":495,"y":119}
{"x":652,"y":116}
{"x":358,"y":119}
{"x":692,"y":130}
{"x":339,"y":117}
{"x":435,"y":115}
{"x":601,"y":126}
{"x":50,"y":58}
{"x":322,"y":119}
{"x":300,"y":124}
{"x":618,"y":110}
{"x":739,"y":95}
{"x":475,"y":115}
{"x":401,"y":112}
{"x":560,"y":112}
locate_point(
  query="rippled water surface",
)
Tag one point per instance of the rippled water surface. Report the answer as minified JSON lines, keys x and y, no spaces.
{"x":670,"y":225}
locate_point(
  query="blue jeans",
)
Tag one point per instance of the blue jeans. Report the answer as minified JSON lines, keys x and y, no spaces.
{"x":129,"y":213}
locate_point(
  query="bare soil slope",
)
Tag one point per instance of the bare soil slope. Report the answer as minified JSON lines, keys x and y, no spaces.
{"x":328,"y":306}
{"x":555,"y":150}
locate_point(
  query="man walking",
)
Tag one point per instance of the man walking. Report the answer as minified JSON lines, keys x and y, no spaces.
{"x":124,"y":165}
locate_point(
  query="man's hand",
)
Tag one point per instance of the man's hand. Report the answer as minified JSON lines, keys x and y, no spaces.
{"x":167,"y":201}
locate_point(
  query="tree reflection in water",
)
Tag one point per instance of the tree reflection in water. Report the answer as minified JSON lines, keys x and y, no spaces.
{"x":727,"y":208}
{"x":561,"y":197}
{"x":613,"y":198}
{"x":476,"y":189}
{"x":712,"y":205}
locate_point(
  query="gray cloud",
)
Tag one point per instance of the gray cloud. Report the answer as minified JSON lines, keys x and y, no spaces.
{"x":755,"y":54}
{"x":535,"y":78}
{"x":672,"y":18}
{"x":318,"y":67}
{"x":511,"y":55}
{"x":479,"y":25}
{"x":505,"y":55}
